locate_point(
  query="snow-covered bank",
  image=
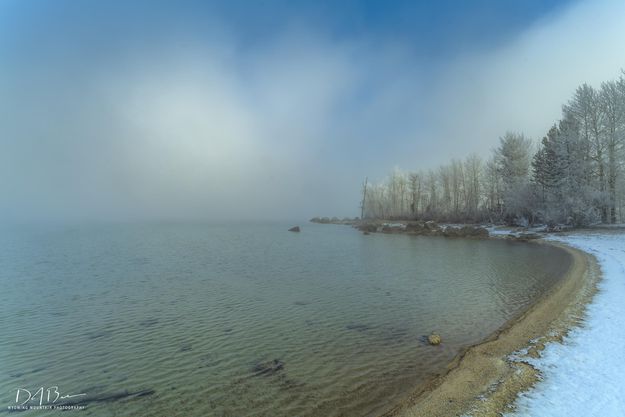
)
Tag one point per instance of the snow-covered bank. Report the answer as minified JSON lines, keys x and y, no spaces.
{"x":585,"y":375}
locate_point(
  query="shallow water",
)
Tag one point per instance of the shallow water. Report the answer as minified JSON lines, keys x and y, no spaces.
{"x":248,"y":320}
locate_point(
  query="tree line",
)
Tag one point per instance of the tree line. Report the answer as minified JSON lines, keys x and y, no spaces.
{"x":574,"y":175}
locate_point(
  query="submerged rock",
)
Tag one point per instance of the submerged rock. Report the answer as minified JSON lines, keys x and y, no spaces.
{"x":294,"y":229}
{"x":148,"y":322}
{"x":434,"y":339}
{"x":358,"y":327}
{"x":268,"y":368}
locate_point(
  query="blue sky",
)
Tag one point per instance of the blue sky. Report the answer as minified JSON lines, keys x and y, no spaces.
{"x":431,"y":30}
{"x":190,"y":110}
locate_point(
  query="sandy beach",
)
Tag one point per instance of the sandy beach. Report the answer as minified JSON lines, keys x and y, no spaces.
{"x":486,"y":378}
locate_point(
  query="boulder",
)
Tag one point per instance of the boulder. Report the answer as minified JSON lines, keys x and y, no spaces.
{"x":553,"y":228}
{"x":393,"y":227}
{"x":529,"y":236}
{"x":434,"y":339}
{"x":451,"y":232}
{"x":481,"y":232}
{"x":367,"y":227}
{"x":466,"y":231}
{"x":473,"y":231}
{"x":294,"y":229}
{"x":432,"y":225}
{"x":416,"y":228}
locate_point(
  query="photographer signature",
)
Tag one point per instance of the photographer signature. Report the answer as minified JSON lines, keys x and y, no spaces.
{"x":43,"y":395}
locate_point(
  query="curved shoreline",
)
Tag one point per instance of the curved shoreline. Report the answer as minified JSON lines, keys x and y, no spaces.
{"x":485,"y":379}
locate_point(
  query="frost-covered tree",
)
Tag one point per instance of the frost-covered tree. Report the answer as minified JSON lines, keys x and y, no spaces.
{"x":513,"y":165}
{"x":585,"y":108}
{"x":576,"y":176}
{"x":473,"y":194}
{"x":415,"y":182}
{"x":493,"y":185}
{"x":612,"y":103}
{"x":549,"y":168}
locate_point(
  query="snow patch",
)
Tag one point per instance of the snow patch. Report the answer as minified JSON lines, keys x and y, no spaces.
{"x":585,"y":375}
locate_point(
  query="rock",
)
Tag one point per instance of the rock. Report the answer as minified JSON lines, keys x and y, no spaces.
{"x":268,"y":368}
{"x":466,"y":231}
{"x":359,"y":327}
{"x":367,"y":227}
{"x":451,"y":232}
{"x":434,"y":339}
{"x":529,"y":236}
{"x":553,"y":228}
{"x":366,"y":233}
{"x":393,"y":227}
{"x":415,"y":228}
{"x":482,"y":232}
{"x":294,"y":229}
{"x":432,"y":225}
{"x":474,"y":231}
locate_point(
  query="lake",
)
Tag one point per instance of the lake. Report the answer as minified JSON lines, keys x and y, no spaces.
{"x":248,"y":319}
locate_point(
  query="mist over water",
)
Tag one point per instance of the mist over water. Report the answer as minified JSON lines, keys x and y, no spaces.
{"x":249,"y":319}
{"x":144,"y":111}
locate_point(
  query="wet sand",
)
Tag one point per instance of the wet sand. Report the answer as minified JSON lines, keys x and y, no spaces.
{"x":483,"y":380}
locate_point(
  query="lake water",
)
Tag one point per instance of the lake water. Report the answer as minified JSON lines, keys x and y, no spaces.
{"x":248,"y":320}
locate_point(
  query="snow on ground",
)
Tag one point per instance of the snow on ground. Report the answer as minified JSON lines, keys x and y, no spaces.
{"x":500,"y":231}
{"x":585,"y":376}
{"x":516,"y":231}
